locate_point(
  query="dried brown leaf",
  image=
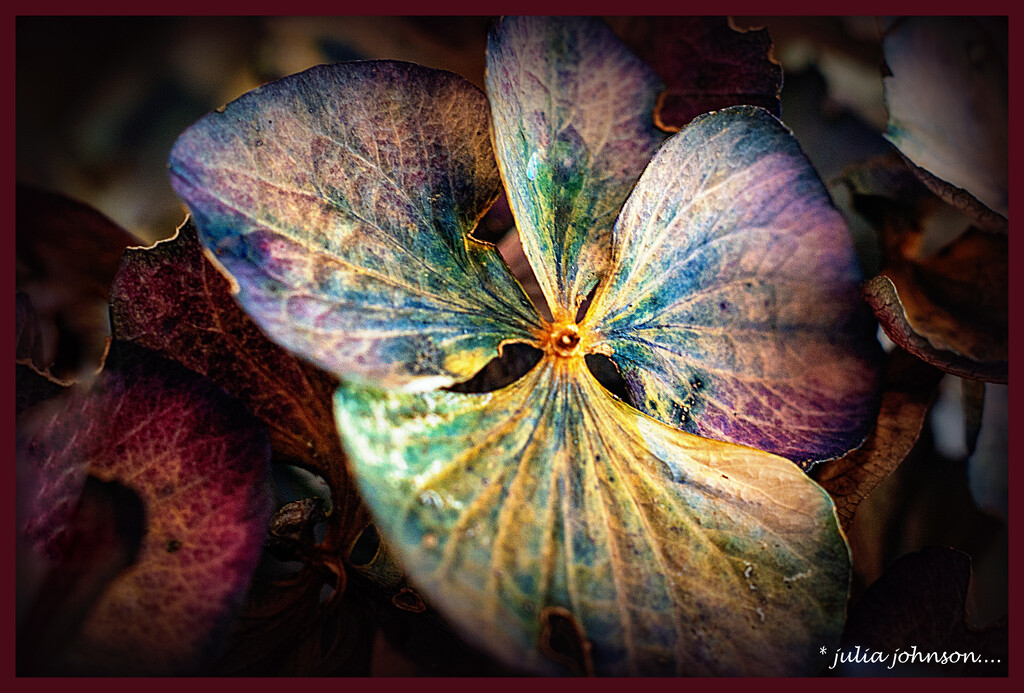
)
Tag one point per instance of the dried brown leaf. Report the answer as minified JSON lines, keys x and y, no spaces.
{"x":909,"y":388}
{"x":706,"y":64}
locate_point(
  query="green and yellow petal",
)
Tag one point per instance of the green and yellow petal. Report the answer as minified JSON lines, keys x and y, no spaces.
{"x":670,"y":553}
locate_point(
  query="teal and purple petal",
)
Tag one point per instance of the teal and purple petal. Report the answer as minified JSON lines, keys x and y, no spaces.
{"x":573,"y":128}
{"x":732,"y":309}
{"x":340,"y":201}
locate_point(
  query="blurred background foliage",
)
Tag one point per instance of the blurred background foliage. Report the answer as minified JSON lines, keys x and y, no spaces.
{"x":100,"y":101}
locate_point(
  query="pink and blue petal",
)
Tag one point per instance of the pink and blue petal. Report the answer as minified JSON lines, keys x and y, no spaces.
{"x":732,"y":309}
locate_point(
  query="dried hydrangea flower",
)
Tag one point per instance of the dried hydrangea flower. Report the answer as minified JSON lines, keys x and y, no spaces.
{"x":341,"y":202}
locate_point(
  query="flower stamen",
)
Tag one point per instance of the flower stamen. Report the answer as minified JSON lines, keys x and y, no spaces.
{"x":563,"y":340}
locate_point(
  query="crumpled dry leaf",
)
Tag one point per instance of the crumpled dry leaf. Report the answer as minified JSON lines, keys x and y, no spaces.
{"x":943,"y":292}
{"x":962,"y":337}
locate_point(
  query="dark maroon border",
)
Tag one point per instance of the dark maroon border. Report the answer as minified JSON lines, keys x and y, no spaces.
{"x":654,"y":7}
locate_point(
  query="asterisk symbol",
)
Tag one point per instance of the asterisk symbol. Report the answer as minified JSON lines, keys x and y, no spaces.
{"x":824,"y":650}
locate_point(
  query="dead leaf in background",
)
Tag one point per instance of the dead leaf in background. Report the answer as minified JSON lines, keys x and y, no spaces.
{"x":947,"y":93}
{"x":975,"y":349}
{"x":943,"y":291}
{"x":199,"y":464}
{"x":919,"y":603}
{"x":706,"y":64}
{"x":170,"y":298}
{"x":103,"y":537}
{"x":66,"y":255}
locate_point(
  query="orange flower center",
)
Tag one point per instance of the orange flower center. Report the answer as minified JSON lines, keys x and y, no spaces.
{"x":564,"y":341}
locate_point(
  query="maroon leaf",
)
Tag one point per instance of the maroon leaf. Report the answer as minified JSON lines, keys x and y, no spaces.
{"x":170,"y":298}
{"x":198,"y":461}
{"x":104,"y":535}
{"x":705,"y":63}
{"x":970,"y":348}
{"x":65,"y":258}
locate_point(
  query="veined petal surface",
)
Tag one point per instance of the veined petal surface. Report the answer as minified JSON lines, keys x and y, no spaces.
{"x":672,"y":554}
{"x":340,"y":200}
{"x":732,"y":308}
{"x":573,"y":128}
